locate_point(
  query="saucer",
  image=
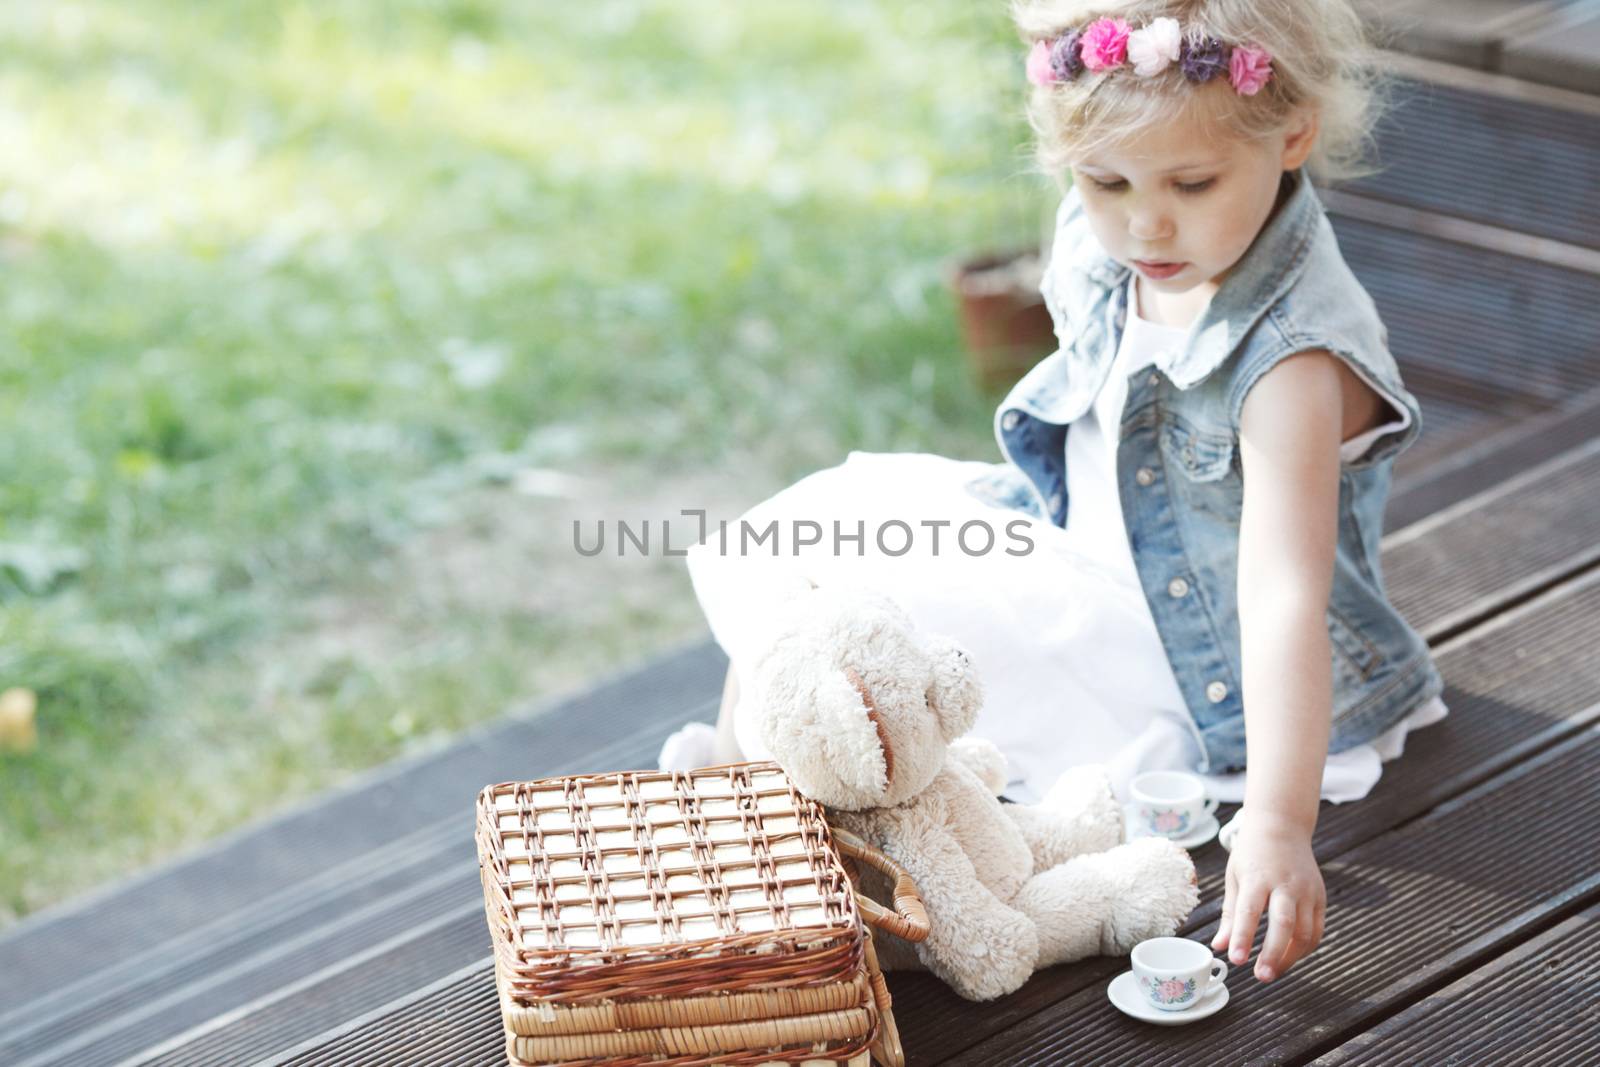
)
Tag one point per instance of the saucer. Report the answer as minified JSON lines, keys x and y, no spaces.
{"x":1124,"y":993}
{"x":1204,"y":831}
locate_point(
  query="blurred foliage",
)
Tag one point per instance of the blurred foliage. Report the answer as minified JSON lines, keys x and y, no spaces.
{"x":291,"y":285}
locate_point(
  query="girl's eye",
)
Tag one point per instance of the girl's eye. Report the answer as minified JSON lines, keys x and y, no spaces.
{"x":1109,"y":187}
{"x":1195,"y":187}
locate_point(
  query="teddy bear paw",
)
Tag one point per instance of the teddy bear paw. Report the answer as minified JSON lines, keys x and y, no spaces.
{"x":693,"y":746}
{"x":1163,"y":890}
{"x":982,"y":758}
{"x":1083,"y":795}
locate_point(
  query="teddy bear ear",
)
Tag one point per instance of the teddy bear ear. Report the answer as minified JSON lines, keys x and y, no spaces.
{"x":956,"y":693}
{"x":817,"y":727}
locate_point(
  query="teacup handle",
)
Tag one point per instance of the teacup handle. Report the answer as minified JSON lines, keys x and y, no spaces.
{"x":1219,"y":974}
{"x":1209,"y":804}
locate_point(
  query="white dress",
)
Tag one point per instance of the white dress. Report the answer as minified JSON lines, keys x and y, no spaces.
{"x":1072,"y":665}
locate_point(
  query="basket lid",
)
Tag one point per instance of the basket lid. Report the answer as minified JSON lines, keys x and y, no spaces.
{"x":641,"y":870}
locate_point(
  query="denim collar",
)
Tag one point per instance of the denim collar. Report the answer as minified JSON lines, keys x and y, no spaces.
{"x":1268,"y":268}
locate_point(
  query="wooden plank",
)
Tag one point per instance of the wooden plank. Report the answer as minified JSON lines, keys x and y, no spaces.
{"x":1516,"y":686}
{"x":1567,"y":55}
{"x":184,"y":1007}
{"x":1408,"y":912}
{"x":454,"y":1021}
{"x":1535,"y":1005}
{"x":1528,"y":167}
{"x":1478,"y":321}
{"x":298,"y":1011}
{"x":1463,"y":564}
{"x":1466,"y":32}
{"x":1489,"y":460}
{"x":1450,"y":423}
{"x":238,"y":872}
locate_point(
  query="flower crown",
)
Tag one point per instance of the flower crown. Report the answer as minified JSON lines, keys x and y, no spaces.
{"x":1108,"y":43}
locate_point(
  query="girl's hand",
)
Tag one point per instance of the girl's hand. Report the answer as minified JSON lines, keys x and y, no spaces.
{"x":1271,"y":868}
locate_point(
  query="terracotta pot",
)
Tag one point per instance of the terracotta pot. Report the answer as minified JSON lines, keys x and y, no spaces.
{"x":1004,"y":322}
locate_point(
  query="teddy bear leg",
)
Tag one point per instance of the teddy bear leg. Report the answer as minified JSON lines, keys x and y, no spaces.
{"x":1105,"y":903}
{"x":980,"y":946}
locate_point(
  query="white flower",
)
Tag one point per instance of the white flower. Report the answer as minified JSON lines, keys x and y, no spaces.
{"x":1152,"y":47}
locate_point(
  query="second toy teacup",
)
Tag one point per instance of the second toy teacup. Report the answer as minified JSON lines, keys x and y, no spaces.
{"x":1174,"y":973}
{"x":1168,"y":803}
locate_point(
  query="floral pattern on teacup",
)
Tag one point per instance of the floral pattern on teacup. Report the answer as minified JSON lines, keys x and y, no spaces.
{"x":1169,"y":990}
{"x":1167,"y":821}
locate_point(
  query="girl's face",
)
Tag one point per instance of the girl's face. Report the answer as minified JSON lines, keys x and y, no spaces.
{"x":1180,"y":205}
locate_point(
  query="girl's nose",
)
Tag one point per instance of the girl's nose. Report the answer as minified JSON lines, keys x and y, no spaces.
{"x":1149,"y":225}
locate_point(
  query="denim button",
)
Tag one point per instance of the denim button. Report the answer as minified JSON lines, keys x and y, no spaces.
{"x":1154,"y":379}
{"x":1216,"y":692}
{"x":1010,"y":419}
{"x":1177,"y":588}
{"x":1144,"y":476}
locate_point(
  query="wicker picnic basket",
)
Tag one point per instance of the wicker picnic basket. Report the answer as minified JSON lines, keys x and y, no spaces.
{"x":684,"y":920}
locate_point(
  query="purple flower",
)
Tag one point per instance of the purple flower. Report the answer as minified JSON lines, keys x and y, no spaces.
{"x":1203,"y":59}
{"x":1065,"y":59}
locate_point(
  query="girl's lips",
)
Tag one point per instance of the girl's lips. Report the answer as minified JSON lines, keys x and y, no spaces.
{"x":1158,"y":270}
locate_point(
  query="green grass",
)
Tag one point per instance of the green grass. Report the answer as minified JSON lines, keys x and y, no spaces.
{"x":299,"y":297}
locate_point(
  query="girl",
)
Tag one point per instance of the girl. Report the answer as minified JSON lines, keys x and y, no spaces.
{"x":1200,"y":470}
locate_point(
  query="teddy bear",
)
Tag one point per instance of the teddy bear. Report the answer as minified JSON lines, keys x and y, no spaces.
{"x":866,"y":716}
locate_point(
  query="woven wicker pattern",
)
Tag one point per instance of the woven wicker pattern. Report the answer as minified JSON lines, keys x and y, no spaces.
{"x":672,"y":919}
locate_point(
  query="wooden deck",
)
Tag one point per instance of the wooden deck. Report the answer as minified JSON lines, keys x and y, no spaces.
{"x":1463,"y":896}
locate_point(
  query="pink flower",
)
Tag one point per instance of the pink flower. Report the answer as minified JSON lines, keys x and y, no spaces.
{"x":1151,"y":48}
{"x":1105,"y":43}
{"x":1039,"y":69}
{"x":1172,"y":990}
{"x":1248,"y":69}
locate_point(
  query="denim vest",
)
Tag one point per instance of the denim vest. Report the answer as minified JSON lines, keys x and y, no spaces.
{"x":1178,"y":472}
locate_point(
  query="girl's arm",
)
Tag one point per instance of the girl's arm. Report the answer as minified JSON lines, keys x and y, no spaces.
{"x":1291,"y":426}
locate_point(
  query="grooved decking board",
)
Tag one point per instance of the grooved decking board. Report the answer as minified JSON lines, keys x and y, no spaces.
{"x":1515,"y":685}
{"x":1489,"y":460}
{"x":1480,"y":321}
{"x":1466,"y":32}
{"x":1537,"y":1005}
{"x":454,"y":1022}
{"x":318,"y":948}
{"x":1461,"y":564}
{"x":1407,"y":911}
{"x":139,"y":1014}
{"x":410,"y":960}
{"x":1567,"y":55}
{"x":44,"y":951}
{"x":1502,"y":162}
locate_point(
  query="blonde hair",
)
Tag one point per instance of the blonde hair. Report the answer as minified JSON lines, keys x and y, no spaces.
{"x":1322,"y":60}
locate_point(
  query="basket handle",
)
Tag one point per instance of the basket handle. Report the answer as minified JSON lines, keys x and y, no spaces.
{"x":909,"y":919}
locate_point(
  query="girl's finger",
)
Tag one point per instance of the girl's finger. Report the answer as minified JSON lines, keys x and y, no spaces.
{"x":1219,"y":940}
{"x":1249,"y":904}
{"x":1305,"y":937}
{"x":1281,"y":918}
